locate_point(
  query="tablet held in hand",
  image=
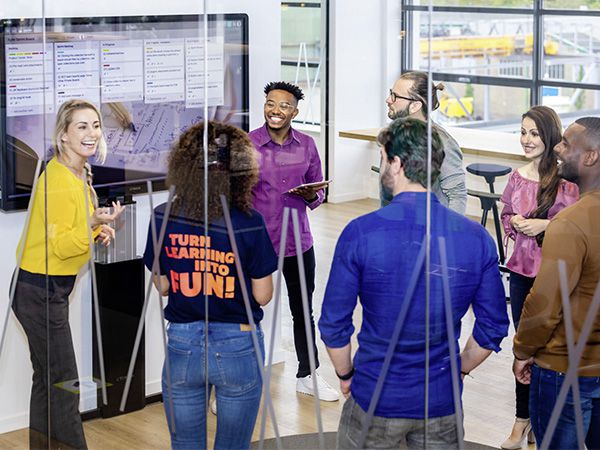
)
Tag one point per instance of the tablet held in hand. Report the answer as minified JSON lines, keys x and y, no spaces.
{"x":313,"y":186}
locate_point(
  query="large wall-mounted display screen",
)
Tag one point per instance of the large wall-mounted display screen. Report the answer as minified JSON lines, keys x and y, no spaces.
{"x":146,"y":74}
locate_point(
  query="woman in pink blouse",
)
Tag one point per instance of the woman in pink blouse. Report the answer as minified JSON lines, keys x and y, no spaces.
{"x":533,"y":196}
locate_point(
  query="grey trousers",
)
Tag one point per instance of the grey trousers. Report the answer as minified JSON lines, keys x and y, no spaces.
{"x":393,"y":433}
{"x":41,"y":305}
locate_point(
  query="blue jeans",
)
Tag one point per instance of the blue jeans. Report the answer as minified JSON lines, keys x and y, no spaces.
{"x":233,"y":369}
{"x":545,"y":386}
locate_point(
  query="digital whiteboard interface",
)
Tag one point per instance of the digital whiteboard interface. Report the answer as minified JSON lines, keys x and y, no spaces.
{"x":146,"y":74}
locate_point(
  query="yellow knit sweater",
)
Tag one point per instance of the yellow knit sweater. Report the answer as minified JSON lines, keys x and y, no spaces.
{"x":67,"y":224}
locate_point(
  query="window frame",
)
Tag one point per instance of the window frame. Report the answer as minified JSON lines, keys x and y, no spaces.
{"x":537,"y":12}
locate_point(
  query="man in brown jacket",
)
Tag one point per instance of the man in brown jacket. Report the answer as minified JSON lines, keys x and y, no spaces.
{"x":557,"y":345}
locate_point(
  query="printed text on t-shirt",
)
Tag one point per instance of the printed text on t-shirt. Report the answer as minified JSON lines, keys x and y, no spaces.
{"x":211,"y":274}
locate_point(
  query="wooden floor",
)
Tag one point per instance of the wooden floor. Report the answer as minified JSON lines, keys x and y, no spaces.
{"x":488,"y":397}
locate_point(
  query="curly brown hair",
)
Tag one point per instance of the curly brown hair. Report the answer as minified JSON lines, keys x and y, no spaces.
{"x":232,"y":170}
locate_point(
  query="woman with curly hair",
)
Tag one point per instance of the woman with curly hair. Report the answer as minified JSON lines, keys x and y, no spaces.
{"x":534,"y":195}
{"x":205,"y":302}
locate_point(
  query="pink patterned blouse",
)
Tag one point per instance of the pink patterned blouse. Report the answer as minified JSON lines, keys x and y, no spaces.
{"x":520,"y":197}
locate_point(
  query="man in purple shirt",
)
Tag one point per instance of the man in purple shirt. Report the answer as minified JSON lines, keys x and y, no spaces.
{"x":287,"y":159}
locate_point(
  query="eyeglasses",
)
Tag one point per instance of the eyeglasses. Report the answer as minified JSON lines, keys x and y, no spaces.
{"x":283,"y":106}
{"x":397,"y":96}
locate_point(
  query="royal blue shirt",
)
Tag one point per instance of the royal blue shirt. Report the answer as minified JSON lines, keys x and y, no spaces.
{"x":374,"y":259}
{"x":196,"y":265}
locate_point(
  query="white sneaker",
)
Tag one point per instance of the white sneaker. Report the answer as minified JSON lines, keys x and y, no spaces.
{"x":213,"y":407}
{"x":326,"y":392}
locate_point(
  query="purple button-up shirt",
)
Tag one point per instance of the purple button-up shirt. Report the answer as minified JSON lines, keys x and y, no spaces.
{"x":284,"y":167}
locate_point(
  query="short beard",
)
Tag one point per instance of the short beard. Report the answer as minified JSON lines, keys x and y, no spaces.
{"x":386,"y":193}
{"x":568,"y":175}
{"x":399,"y":114}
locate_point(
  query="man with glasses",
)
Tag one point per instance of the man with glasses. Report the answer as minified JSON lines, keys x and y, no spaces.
{"x":408,"y":98}
{"x":288,"y":159}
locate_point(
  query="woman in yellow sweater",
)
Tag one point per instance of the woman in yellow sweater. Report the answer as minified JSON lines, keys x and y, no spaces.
{"x":56,"y":246}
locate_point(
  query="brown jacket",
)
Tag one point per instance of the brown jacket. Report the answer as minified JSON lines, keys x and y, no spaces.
{"x":574,"y":237}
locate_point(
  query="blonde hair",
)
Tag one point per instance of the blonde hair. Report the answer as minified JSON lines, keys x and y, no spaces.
{"x":64,"y":117}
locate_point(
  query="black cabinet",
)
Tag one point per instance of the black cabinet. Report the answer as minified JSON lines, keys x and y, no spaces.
{"x":121,"y":299}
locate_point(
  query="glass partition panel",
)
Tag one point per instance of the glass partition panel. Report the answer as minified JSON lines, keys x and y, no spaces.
{"x":218,"y":195}
{"x":127,"y":86}
{"x":261,"y":260}
{"x":22,"y":71}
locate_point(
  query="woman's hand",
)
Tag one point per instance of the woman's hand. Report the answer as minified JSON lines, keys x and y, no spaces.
{"x":161,"y":283}
{"x":533,"y":227}
{"x":104,"y":216}
{"x":522,"y":370}
{"x":106,"y":235}
{"x":516,"y":221}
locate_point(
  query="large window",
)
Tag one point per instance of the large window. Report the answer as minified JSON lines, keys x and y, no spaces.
{"x":499,"y":57}
{"x":301,"y":59}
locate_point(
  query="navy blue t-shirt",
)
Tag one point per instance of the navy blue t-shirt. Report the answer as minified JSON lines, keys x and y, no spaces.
{"x":196,"y":265}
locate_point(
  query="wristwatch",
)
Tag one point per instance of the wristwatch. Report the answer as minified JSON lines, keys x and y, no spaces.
{"x":347,"y":376}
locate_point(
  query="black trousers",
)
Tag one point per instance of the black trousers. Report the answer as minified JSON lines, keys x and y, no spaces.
{"x":519,"y":288}
{"x":292,"y":281}
{"x":41,"y":305}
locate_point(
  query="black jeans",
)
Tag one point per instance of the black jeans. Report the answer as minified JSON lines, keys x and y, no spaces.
{"x":41,"y":305}
{"x":292,"y":281}
{"x":519,"y":288}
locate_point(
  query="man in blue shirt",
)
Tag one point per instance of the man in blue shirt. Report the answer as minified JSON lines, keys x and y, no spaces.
{"x":374,"y":260}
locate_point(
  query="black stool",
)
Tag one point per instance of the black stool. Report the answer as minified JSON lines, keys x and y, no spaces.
{"x":488,"y":199}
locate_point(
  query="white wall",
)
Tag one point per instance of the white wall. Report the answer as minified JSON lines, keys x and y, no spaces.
{"x":364,"y":62}
{"x":15,"y":368}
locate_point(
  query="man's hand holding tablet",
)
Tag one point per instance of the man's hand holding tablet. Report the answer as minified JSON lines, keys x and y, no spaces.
{"x":308,"y":191}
